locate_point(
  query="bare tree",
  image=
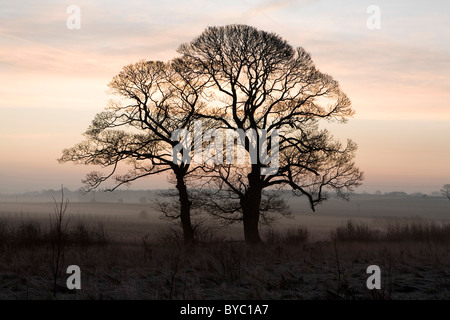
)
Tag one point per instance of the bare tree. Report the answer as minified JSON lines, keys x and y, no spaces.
{"x":158,"y":99}
{"x":256,"y":81}
{"x":59,"y":235}
{"x":446,"y":191}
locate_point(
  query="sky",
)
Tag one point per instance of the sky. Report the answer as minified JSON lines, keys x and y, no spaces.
{"x":54,"y":79}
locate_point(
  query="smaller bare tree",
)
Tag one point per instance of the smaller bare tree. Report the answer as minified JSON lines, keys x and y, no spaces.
{"x":446,"y":191}
{"x":58,"y":237}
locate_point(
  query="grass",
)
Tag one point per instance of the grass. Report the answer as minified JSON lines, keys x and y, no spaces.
{"x":296,"y":235}
{"x":414,"y":260}
{"x":83,"y":236}
{"x":30,"y":235}
{"x":355,"y":232}
{"x":394,"y":232}
{"x":418,"y":232}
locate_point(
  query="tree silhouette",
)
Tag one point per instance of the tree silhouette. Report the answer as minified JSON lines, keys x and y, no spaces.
{"x":256,"y":80}
{"x":446,"y":191}
{"x":234,"y":78}
{"x":157,"y":100}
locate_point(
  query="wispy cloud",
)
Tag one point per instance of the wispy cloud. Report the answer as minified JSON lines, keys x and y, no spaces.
{"x":265,"y":7}
{"x":398,"y":72}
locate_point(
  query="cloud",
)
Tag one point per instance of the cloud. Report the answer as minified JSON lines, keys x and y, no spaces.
{"x":266,"y":7}
{"x":398,"y":72}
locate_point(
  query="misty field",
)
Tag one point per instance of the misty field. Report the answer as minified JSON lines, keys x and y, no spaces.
{"x":125,"y":251}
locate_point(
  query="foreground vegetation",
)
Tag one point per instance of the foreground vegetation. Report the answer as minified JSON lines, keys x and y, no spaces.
{"x":414,"y":259}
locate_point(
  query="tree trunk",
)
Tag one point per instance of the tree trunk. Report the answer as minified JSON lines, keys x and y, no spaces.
{"x":185,"y":211}
{"x":251,"y":223}
{"x":250,"y":208}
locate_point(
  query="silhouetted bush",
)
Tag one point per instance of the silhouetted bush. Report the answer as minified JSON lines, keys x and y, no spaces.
{"x":81,"y":235}
{"x":355,"y":232}
{"x":30,"y":235}
{"x":419,"y":232}
{"x":295,"y":235}
{"x":415,"y":231}
{"x":288,"y":236}
{"x":4,"y":232}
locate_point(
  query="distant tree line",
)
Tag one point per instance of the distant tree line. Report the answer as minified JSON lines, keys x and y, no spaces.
{"x":135,"y":196}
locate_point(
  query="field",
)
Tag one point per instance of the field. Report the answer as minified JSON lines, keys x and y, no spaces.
{"x":125,"y":251}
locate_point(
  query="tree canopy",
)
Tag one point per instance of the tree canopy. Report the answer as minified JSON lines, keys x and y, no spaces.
{"x":233,"y":78}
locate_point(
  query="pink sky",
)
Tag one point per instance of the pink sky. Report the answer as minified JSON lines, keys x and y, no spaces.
{"x":54,"y":80}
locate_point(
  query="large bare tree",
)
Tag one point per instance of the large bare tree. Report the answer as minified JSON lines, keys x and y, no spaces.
{"x":257,"y":81}
{"x":156,"y":100}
